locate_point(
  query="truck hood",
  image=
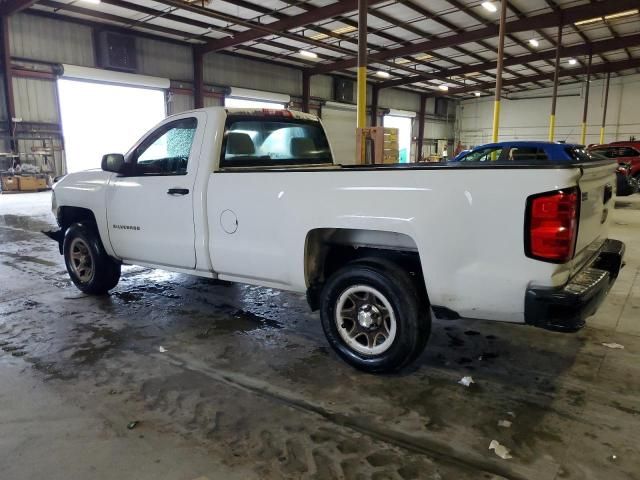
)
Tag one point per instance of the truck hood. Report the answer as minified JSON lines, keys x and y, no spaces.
{"x":87,"y":180}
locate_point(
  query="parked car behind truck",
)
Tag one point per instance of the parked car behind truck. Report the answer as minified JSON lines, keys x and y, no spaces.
{"x":256,"y":197}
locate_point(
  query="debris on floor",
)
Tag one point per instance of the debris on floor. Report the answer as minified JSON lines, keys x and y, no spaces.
{"x":504,"y":423}
{"x":500,"y":450}
{"x":613,"y":345}
{"x":162,"y":349}
{"x":466,"y":381}
{"x":132,"y":425}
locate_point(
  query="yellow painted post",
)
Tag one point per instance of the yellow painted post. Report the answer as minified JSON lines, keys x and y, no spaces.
{"x":496,"y":120}
{"x":601,"y":135}
{"x":583,"y":135}
{"x":362,"y":97}
{"x":552,"y":127}
{"x":361,"y":117}
{"x":500,"y":63}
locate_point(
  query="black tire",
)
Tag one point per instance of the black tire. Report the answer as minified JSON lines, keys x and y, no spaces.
{"x":85,"y":242}
{"x":409,"y":307}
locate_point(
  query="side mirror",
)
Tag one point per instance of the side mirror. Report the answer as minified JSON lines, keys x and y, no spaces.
{"x":113,"y":162}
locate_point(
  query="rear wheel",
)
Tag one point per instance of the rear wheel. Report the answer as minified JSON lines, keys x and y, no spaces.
{"x":90,"y":268}
{"x":373,"y":315}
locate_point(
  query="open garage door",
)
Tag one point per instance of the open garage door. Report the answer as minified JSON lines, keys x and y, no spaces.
{"x":339,"y":122}
{"x":106,"y":112}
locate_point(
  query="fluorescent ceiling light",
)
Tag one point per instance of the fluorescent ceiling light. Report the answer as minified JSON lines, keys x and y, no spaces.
{"x":443,"y":87}
{"x":626,"y":13}
{"x":572,"y":61}
{"x":308,"y":54}
{"x":402,"y":61}
{"x":423,"y":56}
{"x":588,"y":21}
{"x":319,"y":36}
{"x":534,"y":42}
{"x":490,"y":6}
{"x":472,"y":74}
{"x":477,"y":94}
{"x":382,"y":74}
{"x":346,"y":29}
{"x":95,"y":2}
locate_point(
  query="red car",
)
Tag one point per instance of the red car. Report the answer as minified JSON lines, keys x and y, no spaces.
{"x":623,"y":152}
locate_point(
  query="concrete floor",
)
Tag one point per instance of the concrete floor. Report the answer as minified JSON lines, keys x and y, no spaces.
{"x":247,"y":387}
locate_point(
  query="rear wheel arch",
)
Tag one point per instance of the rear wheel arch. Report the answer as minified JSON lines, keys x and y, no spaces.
{"x":329,"y":249}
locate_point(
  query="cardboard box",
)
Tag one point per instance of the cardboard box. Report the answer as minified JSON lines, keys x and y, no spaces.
{"x":9,"y":184}
{"x":29,"y":184}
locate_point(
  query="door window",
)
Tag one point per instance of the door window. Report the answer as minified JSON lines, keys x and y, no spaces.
{"x":627,"y":152}
{"x":166,"y":151}
{"x":488,"y":154}
{"x":526,"y":154}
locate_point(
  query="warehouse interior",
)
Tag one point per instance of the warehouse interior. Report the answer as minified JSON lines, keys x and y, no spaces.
{"x":171,"y":376}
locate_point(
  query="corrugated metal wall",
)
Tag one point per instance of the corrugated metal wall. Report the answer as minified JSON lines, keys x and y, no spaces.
{"x":239,"y":72}
{"x":50,"y":40}
{"x":163,"y":59}
{"x":35,"y":100}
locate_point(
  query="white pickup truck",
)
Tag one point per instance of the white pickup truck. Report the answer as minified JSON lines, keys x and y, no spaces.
{"x":254,"y":196}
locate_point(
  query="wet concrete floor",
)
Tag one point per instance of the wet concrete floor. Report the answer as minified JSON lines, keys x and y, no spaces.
{"x":232,"y":381}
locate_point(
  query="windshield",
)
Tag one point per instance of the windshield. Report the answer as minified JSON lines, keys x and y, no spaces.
{"x":260,"y":141}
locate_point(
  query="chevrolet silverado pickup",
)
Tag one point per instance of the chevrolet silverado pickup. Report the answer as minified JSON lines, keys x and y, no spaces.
{"x":255,"y":196}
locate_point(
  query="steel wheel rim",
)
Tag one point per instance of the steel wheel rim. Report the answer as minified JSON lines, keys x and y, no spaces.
{"x":365,"y":320}
{"x":81,"y":260}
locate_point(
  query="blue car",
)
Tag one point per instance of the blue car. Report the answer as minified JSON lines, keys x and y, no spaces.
{"x":524,"y":151}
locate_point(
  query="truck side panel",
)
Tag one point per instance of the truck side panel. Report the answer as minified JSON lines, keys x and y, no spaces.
{"x":468,"y":226}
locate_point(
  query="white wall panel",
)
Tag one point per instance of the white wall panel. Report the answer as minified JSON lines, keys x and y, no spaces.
{"x":164,"y":59}
{"x":528,"y":119}
{"x":322,"y":86}
{"x":35,"y":100}
{"x":179,"y":103}
{"x":51,"y":40}
{"x":240,"y":72}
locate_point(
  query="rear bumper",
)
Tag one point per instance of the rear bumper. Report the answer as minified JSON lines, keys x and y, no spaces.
{"x":566,"y":308}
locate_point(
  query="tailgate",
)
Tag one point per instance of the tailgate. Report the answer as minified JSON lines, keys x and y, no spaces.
{"x":596,"y":184}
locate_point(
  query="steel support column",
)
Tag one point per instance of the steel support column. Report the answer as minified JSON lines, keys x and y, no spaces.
{"x":604,"y":110}
{"x":7,"y":80}
{"x":423,"y":112}
{"x":306,"y":91}
{"x":375,"y":94}
{"x":556,"y":79}
{"x":496,"y":103}
{"x":362,"y":64}
{"x":198,"y":77}
{"x":583,"y":135}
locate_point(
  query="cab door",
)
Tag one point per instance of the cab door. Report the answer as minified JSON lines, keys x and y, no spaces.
{"x":150,"y":206}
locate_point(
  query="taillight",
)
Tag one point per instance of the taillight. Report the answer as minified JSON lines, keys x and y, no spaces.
{"x":551,"y":225}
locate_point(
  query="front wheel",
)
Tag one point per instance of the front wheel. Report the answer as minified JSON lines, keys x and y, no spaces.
{"x":89,"y":266}
{"x":373,"y":316}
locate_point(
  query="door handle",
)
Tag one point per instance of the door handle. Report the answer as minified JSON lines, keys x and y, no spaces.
{"x":178,"y":191}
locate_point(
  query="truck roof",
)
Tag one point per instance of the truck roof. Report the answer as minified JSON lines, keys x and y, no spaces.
{"x":258,"y":112}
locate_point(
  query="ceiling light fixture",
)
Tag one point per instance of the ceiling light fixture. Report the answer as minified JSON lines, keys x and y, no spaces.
{"x":343,"y":30}
{"x":490,"y":6}
{"x":382,"y":74}
{"x":626,"y":13}
{"x":572,"y":61}
{"x":402,"y":61}
{"x":443,"y":87}
{"x":308,"y":54}
{"x":477,"y":94}
{"x":95,"y":2}
{"x":588,"y":21}
{"x":423,"y":57}
{"x":534,"y":42}
{"x":319,"y":36}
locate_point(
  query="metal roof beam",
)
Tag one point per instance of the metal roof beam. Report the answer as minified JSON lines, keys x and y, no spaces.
{"x":535,"y":22}
{"x":571,"y":51}
{"x":9,"y":7}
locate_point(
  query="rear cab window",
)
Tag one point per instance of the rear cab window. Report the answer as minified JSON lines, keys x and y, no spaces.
{"x":276,"y":140}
